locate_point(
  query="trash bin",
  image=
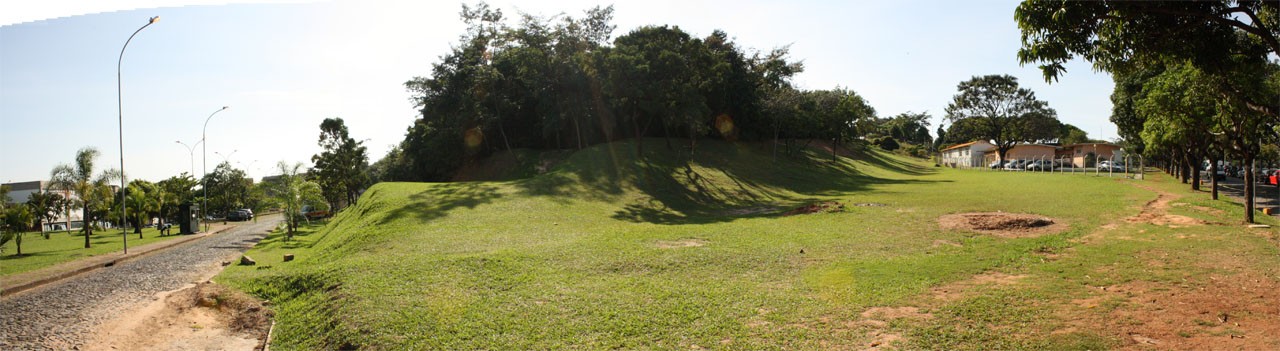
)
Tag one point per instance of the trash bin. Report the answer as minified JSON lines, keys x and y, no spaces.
{"x":189,"y":218}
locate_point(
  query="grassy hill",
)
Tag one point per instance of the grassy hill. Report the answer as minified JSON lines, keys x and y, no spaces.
{"x":606,"y":250}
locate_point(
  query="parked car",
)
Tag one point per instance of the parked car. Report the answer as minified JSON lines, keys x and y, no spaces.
{"x":996,"y":164}
{"x":248,"y":212}
{"x":239,"y":215}
{"x":1108,"y":166}
{"x":1015,"y":165}
{"x":1040,"y":165}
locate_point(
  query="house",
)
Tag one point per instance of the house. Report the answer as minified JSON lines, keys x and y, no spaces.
{"x":1079,"y":153}
{"x":1024,"y":152}
{"x":967,"y":155}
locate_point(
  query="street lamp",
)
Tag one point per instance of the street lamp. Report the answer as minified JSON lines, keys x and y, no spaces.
{"x":191,"y":151}
{"x":120,"y":118}
{"x":204,"y":167}
{"x":226,"y":158}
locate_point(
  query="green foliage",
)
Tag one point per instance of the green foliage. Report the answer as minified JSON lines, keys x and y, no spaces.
{"x":228,"y":188}
{"x":887,"y":143}
{"x":294,"y":192}
{"x":46,"y":206}
{"x":341,"y":169}
{"x":15,"y":221}
{"x":93,"y":195}
{"x":559,"y":83}
{"x":994,"y":108}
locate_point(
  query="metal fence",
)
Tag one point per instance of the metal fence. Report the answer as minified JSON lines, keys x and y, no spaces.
{"x":1103,"y":167}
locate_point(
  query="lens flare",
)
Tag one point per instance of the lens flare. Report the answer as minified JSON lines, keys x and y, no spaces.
{"x":724,"y":124}
{"x":473,"y":137}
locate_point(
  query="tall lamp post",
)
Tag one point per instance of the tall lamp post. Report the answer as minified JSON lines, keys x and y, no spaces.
{"x":191,"y":151}
{"x":204,"y":167}
{"x":124,"y":218}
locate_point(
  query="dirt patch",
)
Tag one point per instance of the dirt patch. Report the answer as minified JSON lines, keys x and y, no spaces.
{"x":891,"y":313}
{"x":1209,"y":210}
{"x":1235,"y":312}
{"x":1010,"y":225}
{"x":940,"y":243}
{"x":675,"y":244}
{"x":202,"y":316}
{"x":955,"y":291}
{"x":820,"y":207}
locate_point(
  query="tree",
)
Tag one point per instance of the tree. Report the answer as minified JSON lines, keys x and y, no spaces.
{"x":293,"y":191}
{"x":92,"y":194}
{"x":17,"y":219}
{"x":341,"y":168}
{"x":654,"y":76}
{"x":994,"y":108}
{"x":1178,"y":111}
{"x":45,"y":208}
{"x":176,"y":189}
{"x":1069,"y":134}
{"x":228,"y":187}
{"x":144,"y":200}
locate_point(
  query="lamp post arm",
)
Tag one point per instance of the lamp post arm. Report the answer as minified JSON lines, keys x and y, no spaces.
{"x":124,"y":218}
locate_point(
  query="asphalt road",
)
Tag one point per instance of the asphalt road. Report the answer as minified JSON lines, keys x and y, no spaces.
{"x":62,"y":315}
{"x":1234,"y":187}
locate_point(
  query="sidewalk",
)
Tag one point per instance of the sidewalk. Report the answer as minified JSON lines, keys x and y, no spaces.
{"x":26,"y":280}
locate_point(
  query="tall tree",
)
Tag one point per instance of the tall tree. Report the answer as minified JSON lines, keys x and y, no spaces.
{"x":228,"y":187}
{"x":996,"y":109}
{"x":92,"y":193}
{"x":341,"y":168}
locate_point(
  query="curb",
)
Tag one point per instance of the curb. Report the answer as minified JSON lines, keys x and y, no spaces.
{"x":9,"y":291}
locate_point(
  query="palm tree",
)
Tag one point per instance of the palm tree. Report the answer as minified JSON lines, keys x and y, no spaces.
{"x":90,"y":192}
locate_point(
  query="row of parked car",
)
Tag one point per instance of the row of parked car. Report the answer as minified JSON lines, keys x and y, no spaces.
{"x":1049,"y":165}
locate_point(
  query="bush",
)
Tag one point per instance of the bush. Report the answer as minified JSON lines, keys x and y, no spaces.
{"x":916,"y":151}
{"x":887,"y":143}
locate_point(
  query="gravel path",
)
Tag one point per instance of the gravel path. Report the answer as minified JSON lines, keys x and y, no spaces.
{"x":62,"y":315}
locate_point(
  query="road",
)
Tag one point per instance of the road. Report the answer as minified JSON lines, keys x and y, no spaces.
{"x":64,"y":314}
{"x":1234,"y":187}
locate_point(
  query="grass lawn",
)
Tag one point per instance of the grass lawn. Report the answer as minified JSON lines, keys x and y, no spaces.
{"x":37,"y":252}
{"x":606,"y":251}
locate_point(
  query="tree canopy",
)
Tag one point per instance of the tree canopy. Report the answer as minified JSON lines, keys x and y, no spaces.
{"x":994,"y":108}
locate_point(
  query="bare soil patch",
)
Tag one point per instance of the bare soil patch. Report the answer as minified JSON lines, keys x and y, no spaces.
{"x":1009,"y":225}
{"x":820,"y":207}
{"x":955,"y":291}
{"x":202,"y":316}
{"x":1234,"y":312}
{"x":675,"y":244}
{"x":1209,"y":210}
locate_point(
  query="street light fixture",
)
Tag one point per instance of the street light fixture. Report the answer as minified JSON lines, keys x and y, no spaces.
{"x":204,"y":167}
{"x":124,"y":218}
{"x":226,"y":158}
{"x":191,"y":151}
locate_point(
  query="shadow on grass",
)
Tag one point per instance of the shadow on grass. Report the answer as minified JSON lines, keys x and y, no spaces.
{"x":720,"y":182}
{"x":436,"y":201}
{"x":24,"y":255}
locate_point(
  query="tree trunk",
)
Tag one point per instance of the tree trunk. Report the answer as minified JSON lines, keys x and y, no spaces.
{"x":1249,"y":203}
{"x":88,"y":225}
{"x":1213,"y":175}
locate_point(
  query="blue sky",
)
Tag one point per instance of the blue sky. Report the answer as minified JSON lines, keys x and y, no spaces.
{"x":283,"y":67}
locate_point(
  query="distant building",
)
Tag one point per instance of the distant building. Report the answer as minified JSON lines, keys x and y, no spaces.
{"x":967,"y":155}
{"x":20,"y":191}
{"x":982,"y":153}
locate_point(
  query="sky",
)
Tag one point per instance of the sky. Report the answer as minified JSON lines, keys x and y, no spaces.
{"x":282,"y":67}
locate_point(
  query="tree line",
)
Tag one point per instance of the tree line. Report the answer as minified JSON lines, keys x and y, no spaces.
{"x":561,"y":83}
{"x":1196,"y":81}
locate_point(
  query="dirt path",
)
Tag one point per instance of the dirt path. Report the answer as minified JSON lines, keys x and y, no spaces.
{"x":67,"y":314}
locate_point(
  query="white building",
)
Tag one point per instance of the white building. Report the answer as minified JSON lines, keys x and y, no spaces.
{"x":19,"y":192}
{"x":967,"y":155}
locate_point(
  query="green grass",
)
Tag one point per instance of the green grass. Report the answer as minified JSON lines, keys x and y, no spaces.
{"x":38,"y":252}
{"x":599,"y":253}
